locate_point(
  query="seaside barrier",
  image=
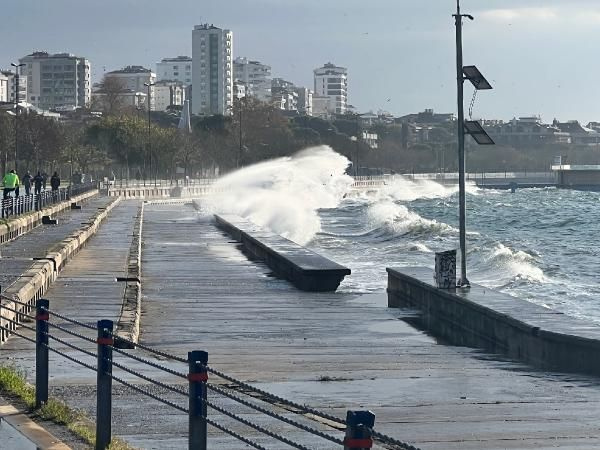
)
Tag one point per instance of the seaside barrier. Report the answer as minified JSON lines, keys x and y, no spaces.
{"x":14,"y":227}
{"x":484,"y":318}
{"x":305,"y":269}
{"x":275,"y":418}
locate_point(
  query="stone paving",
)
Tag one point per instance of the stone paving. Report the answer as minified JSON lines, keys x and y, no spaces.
{"x":329,"y":350}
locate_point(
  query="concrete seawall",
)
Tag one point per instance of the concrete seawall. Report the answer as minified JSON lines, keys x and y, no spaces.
{"x":18,"y":226}
{"x":484,"y":318}
{"x":305,"y":269}
{"x":35,"y":281}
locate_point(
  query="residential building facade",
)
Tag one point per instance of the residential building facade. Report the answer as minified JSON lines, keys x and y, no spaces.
{"x":175,"y":69}
{"x":3,"y":88}
{"x":133,"y":79}
{"x":11,"y":84}
{"x":168,"y":93}
{"x":212,"y":70}
{"x":59,"y":81}
{"x":331,"y":81}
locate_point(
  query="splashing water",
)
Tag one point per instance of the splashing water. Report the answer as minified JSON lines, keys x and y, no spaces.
{"x":285,"y":194}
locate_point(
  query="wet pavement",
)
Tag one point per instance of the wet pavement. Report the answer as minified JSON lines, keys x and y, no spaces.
{"x":331,"y":351}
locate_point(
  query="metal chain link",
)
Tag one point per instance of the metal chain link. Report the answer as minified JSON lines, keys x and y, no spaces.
{"x":144,"y":377}
{"x":72,"y":333}
{"x":17,"y":312}
{"x":383,"y":439}
{"x":15,"y":300}
{"x":256,"y":426}
{"x":149,"y":394}
{"x":150,"y":363}
{"x":303,"y":408}
{"x":73,"y":321}
{"x":19,"y":335}
{"x":152,"y":350}
{"x":276,"y":415}
{"x":94,"y":355}
{"x":75,"y":360}
{"x":20,"y":324}
{"x":234,"y":434}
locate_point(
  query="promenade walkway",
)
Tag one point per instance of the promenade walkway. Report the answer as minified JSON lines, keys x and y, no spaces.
{"x":329,"y":350}
{"x":16,"y":256}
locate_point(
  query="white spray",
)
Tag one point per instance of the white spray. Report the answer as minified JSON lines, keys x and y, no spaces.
{"x":285,"y":194}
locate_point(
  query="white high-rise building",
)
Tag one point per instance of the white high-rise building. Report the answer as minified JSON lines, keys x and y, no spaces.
{"x":175,"y":69}
{"x":255,"y":76}
{"x":168,"y":93}
{"x":11,"y":81}
{"x":132,"y":78}
{"x":332,"y":81}
{"x":212,"y":70}
{"x":3,"y":88}
{"x":58,"y":81}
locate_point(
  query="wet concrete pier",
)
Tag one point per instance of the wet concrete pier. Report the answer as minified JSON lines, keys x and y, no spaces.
{"x":333,"y":351}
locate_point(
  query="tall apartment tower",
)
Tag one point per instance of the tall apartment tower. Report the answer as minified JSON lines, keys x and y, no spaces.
{"x":212,"y":70}
{"x":58,"y":81}
{"x":332,"y":81}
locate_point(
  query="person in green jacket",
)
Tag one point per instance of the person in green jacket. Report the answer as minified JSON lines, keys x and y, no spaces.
{"x":11,"y":182}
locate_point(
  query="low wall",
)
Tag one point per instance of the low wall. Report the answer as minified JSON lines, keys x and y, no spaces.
{"x":18,"y":226}
{"x":484,"y":318}
{"x":157,"y":192}
{"x":36,"y":280}
{"x":128,"y":325}
{"x":305,"y":269}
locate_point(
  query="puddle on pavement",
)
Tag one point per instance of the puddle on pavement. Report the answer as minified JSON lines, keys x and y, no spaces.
{"x":10,"y":438}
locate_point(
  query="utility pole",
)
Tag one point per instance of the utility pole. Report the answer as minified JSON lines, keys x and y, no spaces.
{"x":16,"y":66}
{"x":149,"y":85}
{"x":463,"y":281}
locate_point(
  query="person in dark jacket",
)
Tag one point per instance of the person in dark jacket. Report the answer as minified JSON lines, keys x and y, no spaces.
{"x":27,"y":182}
{"x":55,"y":181}
{"x":38,"y":181}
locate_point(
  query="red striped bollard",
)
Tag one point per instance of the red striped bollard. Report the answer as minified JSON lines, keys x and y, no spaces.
{"x":359,"y":430}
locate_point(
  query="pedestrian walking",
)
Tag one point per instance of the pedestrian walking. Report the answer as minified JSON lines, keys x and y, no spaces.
{"x":27,"y":182}
{"x":38,"y":181}
{"x":10,"y":183}
{"x":55,"y":181}
{"x":44,"y":178}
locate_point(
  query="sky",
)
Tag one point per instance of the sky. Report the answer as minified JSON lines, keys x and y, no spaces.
{"x":539,"y":55}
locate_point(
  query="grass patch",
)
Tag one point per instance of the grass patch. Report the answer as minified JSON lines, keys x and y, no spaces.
{"x":13,"y":382}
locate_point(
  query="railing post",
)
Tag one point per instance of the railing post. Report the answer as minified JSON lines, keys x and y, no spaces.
{"x":41,"y":352}
{"x":359,"y":430}
{"x":104,"y":385}
{"x":197,"y":376}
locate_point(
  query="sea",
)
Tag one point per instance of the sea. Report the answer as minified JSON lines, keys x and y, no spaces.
{"x":540,"y":245}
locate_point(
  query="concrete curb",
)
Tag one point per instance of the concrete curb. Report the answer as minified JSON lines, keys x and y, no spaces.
{"x":128,"y":325}
{"x":22,"y":225}
{"x":32,"y":431}
{"x":36,"y":280}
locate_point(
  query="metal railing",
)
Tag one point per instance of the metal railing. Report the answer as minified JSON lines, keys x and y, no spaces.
{"x":354,"y":432}
{"x":16,"y":206}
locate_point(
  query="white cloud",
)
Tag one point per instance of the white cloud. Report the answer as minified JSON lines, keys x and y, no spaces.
{"x":512,"y":14}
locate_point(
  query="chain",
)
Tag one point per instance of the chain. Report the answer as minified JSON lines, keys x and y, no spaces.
{"x":14,"y":300}
{"x":276,"y":398}
{"x":234,"y":434}
{"x":19,"y":335}
{"x":150,"y":363}
{"x":256,"y":427}
{"x":149,"y":394}
{"x":76,"y":322}
{"x":152,"y":350}
{"x":382,"y":438}
{"x":71,"y":346}
{"x":72,"y":333}
{"x":75,"y":360}
{"x":18,"y":312}
{"x":144,"y":377}
{"x":20,"y":324}
{"x":275,"y":415}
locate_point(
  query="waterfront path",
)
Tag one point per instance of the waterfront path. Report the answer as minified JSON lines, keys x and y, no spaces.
{"x":16,"y":255}
{"x":332,"y":351}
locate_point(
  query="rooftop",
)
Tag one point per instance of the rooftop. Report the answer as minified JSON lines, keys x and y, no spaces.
{"x":132,"y":69}
{"x":177,"y":58}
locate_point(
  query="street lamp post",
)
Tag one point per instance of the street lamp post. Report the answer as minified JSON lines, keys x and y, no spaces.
{"x":16,"y":66}
{"x":471,"y":127}
{"x":149,"y":85}
{"x":241,"y":149}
